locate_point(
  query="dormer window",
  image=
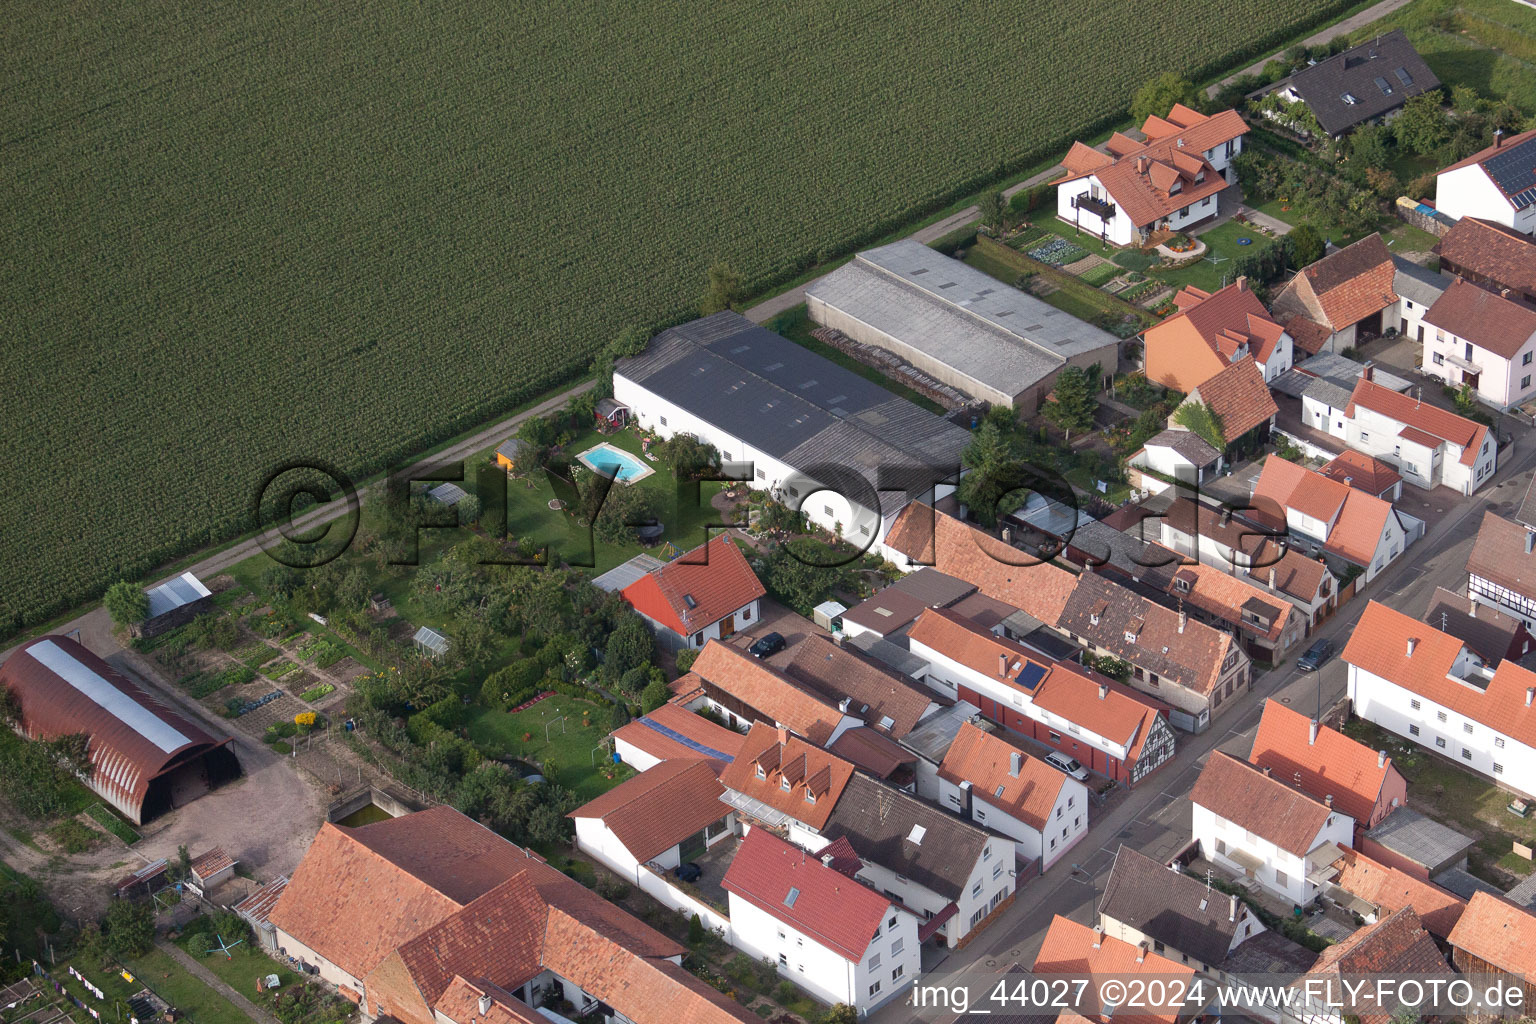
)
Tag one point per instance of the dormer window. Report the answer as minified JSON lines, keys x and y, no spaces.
{"x":760,"y":773}
{"x":810,"y":797}
{"x":1130,"y":637}
{"x":784,"y":785}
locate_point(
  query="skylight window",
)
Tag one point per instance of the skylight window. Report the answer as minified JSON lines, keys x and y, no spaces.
{"x":1381,"y":83}
{"x":1350,"y":98}
{"x":917,"y":833}
{"x":886,"y":721}
{"x":999,"y":791}
{"x":690,"y":602}
{"x":794,"y":894}
{"x":1404,"y":77}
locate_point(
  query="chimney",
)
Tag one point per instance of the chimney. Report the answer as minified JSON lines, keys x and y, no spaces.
{"x":1530,"y":541}
{"x":1015,"y":763}
{"x":1498,"y":137}
{"x":1183,"y":618}
{"x":842,"y":705}
{"x":1349,"y":481}
{"x":1242,"y":282}
{"x":1103,"y":691}
{"x":1272,"y":578}
{"x":1472,"y":604}
{"x":1002,"y":665}
{"x":485,"y":1005}
{"x":1312,"y":732}
{"x":1368,"y":372}
{"x":1141,"y":953}
{"x":1329,"y":801}
{"x":1381,"y":759}
{"x":1413,"y":642}
{"x":826,"y":859}
{"x":1226,"y":516}
{"x":1232,"y":909}
{"x":783,"y":735}
{"x":1098,"y":939}
{"x":1530,"y":695}
{"x":1264,"y":768}
{"x":1141,"y":165}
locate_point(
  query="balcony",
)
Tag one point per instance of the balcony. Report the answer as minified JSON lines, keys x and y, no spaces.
{"x":1100,"y":208}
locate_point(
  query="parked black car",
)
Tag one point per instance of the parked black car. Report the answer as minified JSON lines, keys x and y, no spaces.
{"x":1315,"y":656}
{"x":766,"y":645}
{"x":689,"y":872}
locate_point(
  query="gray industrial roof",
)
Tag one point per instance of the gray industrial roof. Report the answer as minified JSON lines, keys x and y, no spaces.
{"x":1303,"y":385}
{"x":172,"y":594}
{"x":790,"y":403}
{"x":1422,"y":840}
{"x":897,"y":605}
{"x":1187,"y":443}
{"x":957,"y":315}
{"x":1464,"y":884}
{"x":621,"y":576}
{"x":1524,"y":894}
{"x":1525,"y":515}
{"x":1344,"y":372}
{"x":1417,"y":283}
{"x":889,"y":653}
{"x":935,"y":734}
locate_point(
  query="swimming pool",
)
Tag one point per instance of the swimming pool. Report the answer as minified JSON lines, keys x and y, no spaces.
{"x":615,"y":462}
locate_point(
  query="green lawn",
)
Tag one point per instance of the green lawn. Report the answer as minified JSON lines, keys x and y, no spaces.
{"x":1464,"y":800}
{"x":157,"y":972}
{"x":569,"y":744}
{"x":243,"y":965}
{"x":1487,"y":44}
{"x":1215,"y":270}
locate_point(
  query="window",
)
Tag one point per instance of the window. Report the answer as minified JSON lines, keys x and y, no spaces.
{"x":1413,"y":730}
{"x":1069,"y":800}
{"x":781,"y":936}
{"x":899,"y":971}
{"x":986,"y":854}
{"x":1440,"y":742}
{"x":1466,"y":727}
{"x":1525,"y":382}
{"x":864,"y":530}
{"x":1184,"y":212}
{"x":954,"y":798}
{"x":976,"y":889}
{"x":828,"y":510}
{"x":874,"y":989}
{"x":784,"y":784}
{"x":1364,"y":436}
{"x":1498,"y":769}
{"x":1077,"y":822}
{"x":1221,"y":847}
{"x":1157,"y":946}
{"x":663,"y":420}
{"x":976,"y":917}
{"x":997,"y":872}
{"x":783,"y":960}
{"x":1498,"y":741}
{"x":1053,"y":844}
{"x":761,"y":475}
{"x":1058,"y":812}
{"x":810,"y":797}
{"x":760,"y":773}
{"x":874,"y":961}
{"x":1055,"y":736}
{"x":1525,"y":360}
{"x":898,"y":946}
{"x":1414,"y":704}
{"x":892,"y":922}
{"x":1466,"y":755}
{"x":1440,"y":715}
{"x":1063,"y":833}
{"x":1281,"y":878}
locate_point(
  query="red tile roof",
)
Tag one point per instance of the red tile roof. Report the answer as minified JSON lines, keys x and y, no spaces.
{"x":1497,"y":932}
{"x":1355,"y":520}
{"x":1239,"y":396}
{"x":766,"y":690}
{"x":815,"y":899}
{"x":809,"y":770}
{"x":461,"y":1004}
{"x":1076,"y":949}
{"x":986,"y":762}
{"x":1363,"y":473}
{"x":1391,"y":889}
{"x":675,"y":720}
{"x":1481,"y":247}
{"x":402,"y":876}
{"x":874,"y":752}
{"x":1437,"y":422}
{"x":1344,"y":287}
{"x":696,"y":589}
{"x":978,"y":649}
{"x":1395,"y":945}
{"x":1499,"y":555}
{"x":1140,"y":176}
{"x":212,"y":862}
{"x":1331,"y":765}
{"x":999,"y":571}
{"x":1223,"y":320}
{"x":1379,"y":645}
{"x":837,"y":673}
{"x":659,"y":808}
{"x":1307,"y":334}
{"x":1219,"y":593}
{"x":1270,"y":809}
{"x":1487,"y":320}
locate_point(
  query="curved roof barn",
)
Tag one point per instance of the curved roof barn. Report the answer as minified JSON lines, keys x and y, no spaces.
{"x":145,"y":757}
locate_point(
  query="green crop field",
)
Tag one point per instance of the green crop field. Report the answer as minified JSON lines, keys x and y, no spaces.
{"x":238,"y":234}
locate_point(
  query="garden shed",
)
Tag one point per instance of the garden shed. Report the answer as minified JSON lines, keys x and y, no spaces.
{"x":430,"y":642}
{"x":514,"y":454}
{"x":173,"y":603}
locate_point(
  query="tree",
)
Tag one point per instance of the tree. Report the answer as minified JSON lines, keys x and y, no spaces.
{"x":279,"y":581}
{"x":539,"y":432}
{"x":722,"y":288}
{"x":1071,"y":404}
{"x":695,"y":930}
{"x":625,"y":508}
{"x":1422,"y":127}
{"x":129,"y":928}
{"x":126,"y":603}
{"x":1198,"y":417}
{"x":1371,"y":146}
{"x":841,"y":1013}
{"x":629,"y":646}
{"x":618,"y":716}
{"x":1307,"y":245}
{"x":688,"y":456}
{"x":1157,"y":97}
{"x":990,"y":457}
{"x":685,"y":659}
{"x":994,"y":211}
{"x":654,"y":695}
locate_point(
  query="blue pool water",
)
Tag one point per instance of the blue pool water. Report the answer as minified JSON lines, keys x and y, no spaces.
{"x":614,"y":462}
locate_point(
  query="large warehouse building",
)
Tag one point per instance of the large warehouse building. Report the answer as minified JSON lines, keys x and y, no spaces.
{"x":956,"y":324}
{"x":819,"y":437}
{"x":145,"y":757}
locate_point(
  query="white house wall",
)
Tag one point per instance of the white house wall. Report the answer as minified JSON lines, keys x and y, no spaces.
{"x":1469,"y":192}
{"x":1501,"y":383}
{"x":1283,"y":873}
{"x":1485,"y":750}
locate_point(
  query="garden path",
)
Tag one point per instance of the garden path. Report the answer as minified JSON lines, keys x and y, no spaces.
{"x":216,"y":983}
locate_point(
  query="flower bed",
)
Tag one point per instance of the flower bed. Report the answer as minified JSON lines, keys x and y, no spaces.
{"x":525,"y":705}
{"x":324,"y":689}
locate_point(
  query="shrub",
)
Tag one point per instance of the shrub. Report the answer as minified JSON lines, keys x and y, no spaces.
{"x":73,"y":836}
{"x":696,"y":931}
{"x":199,"y":945}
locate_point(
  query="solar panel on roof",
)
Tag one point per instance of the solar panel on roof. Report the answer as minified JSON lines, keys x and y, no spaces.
{"x":1030,"y":677}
